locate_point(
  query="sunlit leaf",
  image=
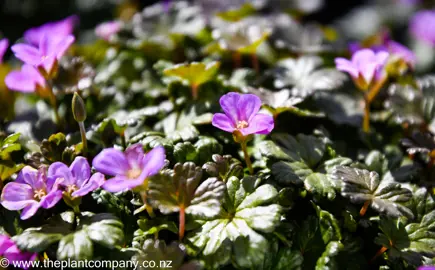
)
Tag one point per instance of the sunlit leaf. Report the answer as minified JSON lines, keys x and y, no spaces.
{"x":306,"y":75}
{"x":362,"y":186}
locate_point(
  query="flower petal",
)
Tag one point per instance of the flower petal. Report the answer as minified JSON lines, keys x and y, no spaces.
{"x":135,"y":155}
{"x":96,"y":181}
{"x":111,"y":162}
{"x":30,"y":210}
{"x":80,"y":170}
{"x":260,"y":124}
{"x":51,"y":199}
{"x":24,"y":80}
{"x":120,"y":183}
{"x":28,"y":54}
{"x":229,"y":104}
{"x":16,"y":196}
{"x":4,"y":43}
{"x":62,"y":45}
{"x":28,"y":175}
{"x":345,"y":65}
{"x":223,"y":122}
{"x":61,"y":171}
{"x":247,"y":106}
{"x":154,"y":162}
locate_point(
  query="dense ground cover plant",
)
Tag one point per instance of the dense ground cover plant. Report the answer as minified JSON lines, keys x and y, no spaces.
{"x":222,"y":136}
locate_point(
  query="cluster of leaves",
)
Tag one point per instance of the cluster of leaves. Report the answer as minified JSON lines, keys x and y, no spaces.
{"x":324,"y":195}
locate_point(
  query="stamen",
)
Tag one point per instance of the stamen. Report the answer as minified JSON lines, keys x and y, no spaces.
{"x":242,"y":124}
{"x":39,"y":194}
{"x":134,"y":173}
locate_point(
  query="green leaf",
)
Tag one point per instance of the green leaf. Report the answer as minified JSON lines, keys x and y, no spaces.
{"x":329,"y":226}
{"x":306,"y":75}
{"x":106,"y":131}
{"x":303,"y":148}
{"x":184,"y":151}
{"x":195,"y":73}
{"x":179,"y":188}
{"x":328,"y":261}
{"x":41,"y":238}
{"x":223,"y":167}
{"x":164,"y":256}
{"x":152,"y":227}
{"x":362,"y":186}
{"x":318,"y":183}
{"x":53,"y":148}
{"x":107,"y":232}
{"x":234,"y":15}
{"x":422,"y":235}
{"x":75,"y":246}
{"x":8,"y":145}
{"x":206,"y":147}
{"x":247,"y":209}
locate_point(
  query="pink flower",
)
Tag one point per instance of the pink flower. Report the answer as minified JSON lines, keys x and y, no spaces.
{"x":241,"y":114}
{"x":50,"y":50}
{"x":30,"y":191}
{"x":130,"y":168}
{"x":10,"y":251}
{"x":422,"y":25}
{"x":56,"y":30}
{"x":108,"y":29}
{"x":4,"y":44}
{"x":26,"y":80}
{"x":365,"y":67}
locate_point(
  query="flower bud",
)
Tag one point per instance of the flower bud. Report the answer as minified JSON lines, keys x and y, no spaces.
{"x":78,"y":108}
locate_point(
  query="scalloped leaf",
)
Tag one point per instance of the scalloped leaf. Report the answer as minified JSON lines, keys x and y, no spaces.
{"x":164,"y":256}
{"x":181,"y":189}
{"x":195,"y":73}
{"x":363,"y":186}
{"x":247,"y":209}
{"x":306,"y":77}
{"x":223,"y":167}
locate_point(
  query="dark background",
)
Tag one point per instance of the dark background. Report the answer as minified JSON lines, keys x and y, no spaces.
{"x":18,"y":15}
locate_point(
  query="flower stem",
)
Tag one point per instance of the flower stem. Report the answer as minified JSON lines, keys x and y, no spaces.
{"x":237,"y":58}
{"x":379,"y":253}
{"x":366,"y":119}
{"x":182,"y":223}
{"x":374,"y":91}
{"x":364,"y":208}
{"x":195,"y":91}
{"x":83,"y":135}
{"x":247,"y":159}
{"x":148,"y":207}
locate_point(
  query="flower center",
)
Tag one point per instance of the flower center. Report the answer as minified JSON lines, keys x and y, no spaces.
{"x":39,"y":194}
{"x":134,"y":173}
{"x":71,"y":188}
{"x":242,"y":124}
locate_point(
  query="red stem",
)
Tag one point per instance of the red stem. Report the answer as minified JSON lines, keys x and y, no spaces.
{"x":363,"y":210}
{"x":182,"y":223}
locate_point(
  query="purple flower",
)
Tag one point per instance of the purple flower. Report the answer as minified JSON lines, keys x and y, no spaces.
{"x":10,"y":251}
{"x":422,"y":25}
{"x":241,"y":114}
{"x":26,"y":80}
{"x":365,"y":67}
{"x":30,"y":191}
{"x":4,"y":43}
{"x":56,"y":30}
{"x":390,"y":46}
{"x":50,"y":49}
{"x":108,"y":29}
{"x":426,"y":267}
{"x":76,"y":179}
{"x":130,"y":168}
